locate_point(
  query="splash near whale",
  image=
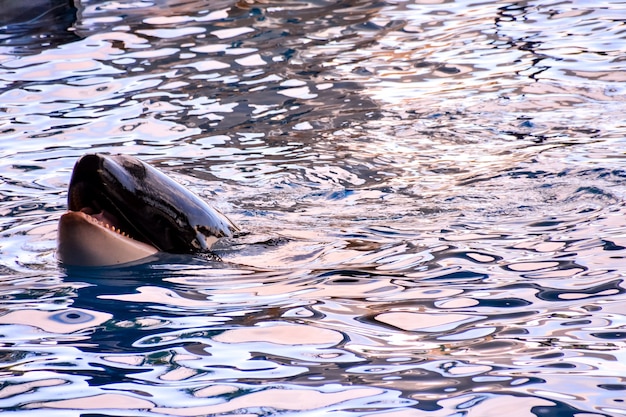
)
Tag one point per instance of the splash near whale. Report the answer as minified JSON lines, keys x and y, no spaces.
{"x":122,"y":210}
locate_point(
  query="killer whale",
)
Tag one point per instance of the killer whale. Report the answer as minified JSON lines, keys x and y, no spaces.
{"x":121,"y":210}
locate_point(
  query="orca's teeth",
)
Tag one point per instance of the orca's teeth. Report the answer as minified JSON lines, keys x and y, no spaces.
{"x":108,"y":226}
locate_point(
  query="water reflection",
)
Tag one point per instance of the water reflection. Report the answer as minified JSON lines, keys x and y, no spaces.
{"x":432,"y":195}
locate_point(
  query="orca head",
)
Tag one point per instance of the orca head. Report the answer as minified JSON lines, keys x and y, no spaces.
{"x":121,"y":209}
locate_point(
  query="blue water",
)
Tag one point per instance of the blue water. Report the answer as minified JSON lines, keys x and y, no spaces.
{"x":432,"y":195}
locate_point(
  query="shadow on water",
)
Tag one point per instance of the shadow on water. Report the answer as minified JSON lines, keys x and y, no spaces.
{"x":28,"y":27}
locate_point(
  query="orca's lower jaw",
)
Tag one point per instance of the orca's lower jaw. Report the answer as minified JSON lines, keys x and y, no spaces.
{"x":85,"y":240}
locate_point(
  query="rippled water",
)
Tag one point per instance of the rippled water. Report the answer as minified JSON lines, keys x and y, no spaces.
{"x":434,"y":195}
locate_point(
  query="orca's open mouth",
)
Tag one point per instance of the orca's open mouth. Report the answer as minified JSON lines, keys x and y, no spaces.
{"x":121,"y":209}
{"x":104,"y":219}
{"x":101,"y":219}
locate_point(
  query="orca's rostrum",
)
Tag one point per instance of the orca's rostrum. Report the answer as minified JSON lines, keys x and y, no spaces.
{"x":121,"y":210}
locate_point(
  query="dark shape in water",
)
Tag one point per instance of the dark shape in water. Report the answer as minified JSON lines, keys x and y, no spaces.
{"x":122,"y":210}
{"x":29,"y":27}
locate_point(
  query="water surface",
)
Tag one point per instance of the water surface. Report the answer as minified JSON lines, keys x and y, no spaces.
{"x":434,"y":195}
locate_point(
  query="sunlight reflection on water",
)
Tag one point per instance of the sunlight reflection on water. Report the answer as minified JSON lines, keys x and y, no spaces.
{"x":432,"y":195}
